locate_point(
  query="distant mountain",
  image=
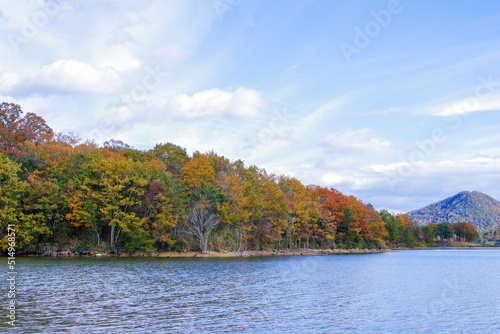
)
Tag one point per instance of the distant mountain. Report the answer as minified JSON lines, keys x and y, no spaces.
{"x":474,"y":207}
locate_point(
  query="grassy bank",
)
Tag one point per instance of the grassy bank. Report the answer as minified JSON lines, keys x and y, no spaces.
{"x":467,"y":245}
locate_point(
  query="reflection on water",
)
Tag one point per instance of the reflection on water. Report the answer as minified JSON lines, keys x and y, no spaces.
{"x":431,"y":291}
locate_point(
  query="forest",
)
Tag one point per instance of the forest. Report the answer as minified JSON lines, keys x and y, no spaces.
{"x":62,"y":193}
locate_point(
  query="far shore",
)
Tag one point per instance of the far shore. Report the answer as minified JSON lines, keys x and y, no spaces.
{"x":252,"y":253}
{"x":450,"y":245}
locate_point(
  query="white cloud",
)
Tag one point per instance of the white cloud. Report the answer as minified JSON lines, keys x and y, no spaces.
{"x":65,"y":76}
{"x":358,"y":141}
{"x":240,"y":103}
{"x":332,"y":178}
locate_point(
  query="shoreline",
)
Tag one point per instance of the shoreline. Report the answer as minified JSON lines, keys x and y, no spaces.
{"x":228,"y":254}
{"x":209,"y":254}
{"x":451,"y":245}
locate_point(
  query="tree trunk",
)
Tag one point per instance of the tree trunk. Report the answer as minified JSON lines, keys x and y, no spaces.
{"x":201,"y":224}
{"x":239,"y":237}
{"x":112,"y":237}
{"x":98,"y":236}
{"x":117,"y":235}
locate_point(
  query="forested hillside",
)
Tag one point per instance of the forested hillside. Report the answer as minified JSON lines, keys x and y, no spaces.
{"x":60,"y":193}
{"x":474,"y":207}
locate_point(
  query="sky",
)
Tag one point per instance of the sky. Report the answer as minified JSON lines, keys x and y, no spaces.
{"x":394,"y":102}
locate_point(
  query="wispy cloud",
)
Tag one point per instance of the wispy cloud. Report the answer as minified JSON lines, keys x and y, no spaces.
{"x":358,"y":141}
{"x":468,"y":105}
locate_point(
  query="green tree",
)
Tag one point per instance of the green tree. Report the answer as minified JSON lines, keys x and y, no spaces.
{"x":430,"y":233}
{"x":174,"y":157}
{"x":28,"y":226}
{"x":444,"y":231}
{"x":106,"y":193}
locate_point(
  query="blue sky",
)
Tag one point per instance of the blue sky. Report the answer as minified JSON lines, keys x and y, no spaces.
{"x":395,"y":102}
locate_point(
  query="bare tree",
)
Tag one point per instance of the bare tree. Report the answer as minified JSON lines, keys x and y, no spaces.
{"x":201,"y":224}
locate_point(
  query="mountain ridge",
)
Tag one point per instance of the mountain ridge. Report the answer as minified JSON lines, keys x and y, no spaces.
{"x":474,"y":207}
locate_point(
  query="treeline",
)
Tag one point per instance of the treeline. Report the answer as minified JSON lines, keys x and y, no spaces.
{"x":445,"y":231}
{"x":64,"y":194}
{"x":492,"y":235}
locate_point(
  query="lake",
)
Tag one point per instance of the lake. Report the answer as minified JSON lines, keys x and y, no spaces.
{"x":409,"y":291}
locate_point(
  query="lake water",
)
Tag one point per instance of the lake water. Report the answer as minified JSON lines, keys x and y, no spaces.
{"x":415,"y":291}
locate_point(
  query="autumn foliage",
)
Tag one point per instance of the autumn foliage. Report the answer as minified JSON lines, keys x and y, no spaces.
{"x":64,"y":194}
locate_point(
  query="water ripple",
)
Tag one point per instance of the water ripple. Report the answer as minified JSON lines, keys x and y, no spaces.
{"x":439,"y":291}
